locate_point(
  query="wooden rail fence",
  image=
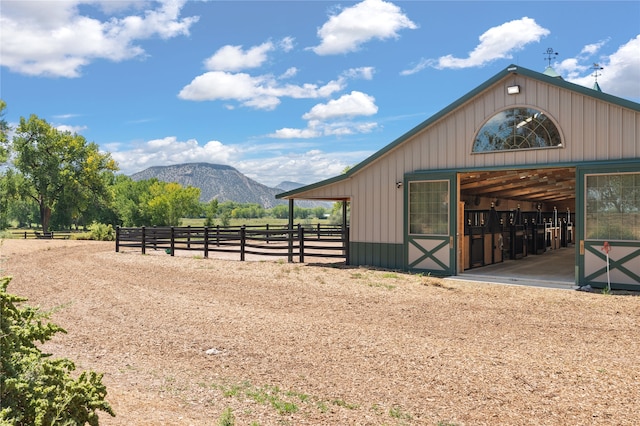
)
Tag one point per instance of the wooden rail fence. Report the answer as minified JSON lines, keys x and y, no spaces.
{"x":327,"y":241}
{"x":32,"y":233}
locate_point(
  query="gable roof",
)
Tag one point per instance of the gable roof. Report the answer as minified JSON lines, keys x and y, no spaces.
{"x":510,"y":70}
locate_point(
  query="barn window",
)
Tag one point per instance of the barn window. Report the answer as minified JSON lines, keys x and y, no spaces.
{"x":517,"y":128}
{"x":613,"y":207}
{"x":429,"y":207}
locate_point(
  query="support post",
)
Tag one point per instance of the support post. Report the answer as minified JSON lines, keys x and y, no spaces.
{"x":345,"y":232}
{"x":117,"y":239}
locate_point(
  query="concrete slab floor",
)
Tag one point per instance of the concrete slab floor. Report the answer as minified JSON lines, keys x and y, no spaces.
{"x":553,"y":268}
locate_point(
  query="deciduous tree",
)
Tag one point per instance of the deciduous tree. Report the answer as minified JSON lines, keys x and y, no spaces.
{"x":58,"y":163}
{"x":4,"y":133}
{"x":168,"y":203}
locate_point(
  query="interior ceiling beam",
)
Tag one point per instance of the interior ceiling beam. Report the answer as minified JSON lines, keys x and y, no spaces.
{"x":536,"y":185}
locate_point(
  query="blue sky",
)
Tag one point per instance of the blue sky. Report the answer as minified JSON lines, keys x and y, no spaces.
{"x":286,"y":90}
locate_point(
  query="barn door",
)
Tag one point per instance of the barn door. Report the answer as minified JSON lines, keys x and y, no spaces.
{"x":608,"y":226}
{"x":430,"y":223}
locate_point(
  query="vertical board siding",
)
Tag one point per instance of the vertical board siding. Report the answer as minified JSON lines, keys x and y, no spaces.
{"x":590,"y":134}
{"x":574,"y":133}
{"x":602,"y":142}
{"x":615,"y":132}
{"x":375,"y":209}
{"x":382,"y":218}
{"x":631,"y":128}
{"x":385,"y":255}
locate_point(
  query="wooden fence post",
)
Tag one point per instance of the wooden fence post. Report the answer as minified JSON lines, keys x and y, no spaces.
{"x":290,"y":243}
{"x":188,"y":236}
{"x":117,"y":239}
{"x":143,"y":241}
{"x":206,"y":242}
{"x":155,"y":238}
{"x":173,"y":241}
{"x":242,"y":242}
{"x":301,"y":243}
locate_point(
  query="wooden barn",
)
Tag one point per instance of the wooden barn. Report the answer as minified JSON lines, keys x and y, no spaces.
{"x":526,"y":164}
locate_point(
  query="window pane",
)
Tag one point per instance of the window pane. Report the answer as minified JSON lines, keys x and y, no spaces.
{"x":429,"y":207}
{"x":613,"y":207}
{"x":517,"y":128}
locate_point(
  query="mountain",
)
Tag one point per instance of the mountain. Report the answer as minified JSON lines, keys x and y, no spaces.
{"x":224,"y":183}
{"x":289,"y":186}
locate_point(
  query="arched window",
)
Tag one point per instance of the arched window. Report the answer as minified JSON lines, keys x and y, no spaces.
{"x":517,"y":128}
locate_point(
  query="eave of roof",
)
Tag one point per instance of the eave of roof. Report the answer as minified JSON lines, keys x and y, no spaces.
{"x":511,"y":69}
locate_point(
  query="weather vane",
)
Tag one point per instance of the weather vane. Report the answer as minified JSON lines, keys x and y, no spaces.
{"x":596,"y":68}
{"x":550,"y":55}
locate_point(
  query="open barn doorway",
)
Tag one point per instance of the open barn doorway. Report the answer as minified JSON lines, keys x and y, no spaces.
{"x":519,"y":224}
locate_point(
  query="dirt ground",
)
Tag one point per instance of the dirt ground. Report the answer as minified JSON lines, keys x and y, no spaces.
{"x":183,"y":339}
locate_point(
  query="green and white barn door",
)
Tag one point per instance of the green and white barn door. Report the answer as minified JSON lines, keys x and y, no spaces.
{"x":430,"y":222}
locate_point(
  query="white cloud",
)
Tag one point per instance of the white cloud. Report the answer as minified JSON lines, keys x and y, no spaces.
{"x":354,"y":104}
{"x":71,"y":129}
{"x":343,"y":128}
{"x":365,"y":73}
{"x":65,"y":116}
{"x":422,"y":64}
{"x":620,"y":75}
{"x":290,"y":133}
{"x":572,"y":68}
{"x":356,"y":25}
{"x":169,"y":150}
{"x":593,"y":48}
{"x":233,"y":58}
{"x":308,"y":167}
{"x":52,"y":38}
{"x":496,"y":43}
{"x":291,"y":72}
{"x":259,"y":92}
{"x":334,"y":118}
{"x":286,"y":44}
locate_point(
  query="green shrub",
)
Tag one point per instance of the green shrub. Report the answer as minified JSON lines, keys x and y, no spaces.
{"x":35,"y":389}
{"x":82,"y":236}
{"x":102,"y":232}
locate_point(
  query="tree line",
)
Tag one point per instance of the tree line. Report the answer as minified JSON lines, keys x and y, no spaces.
{"x":58,"y":180}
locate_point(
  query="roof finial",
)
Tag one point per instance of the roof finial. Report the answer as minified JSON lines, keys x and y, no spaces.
{"x":550,"y":55}
{"x":596,"y":67}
